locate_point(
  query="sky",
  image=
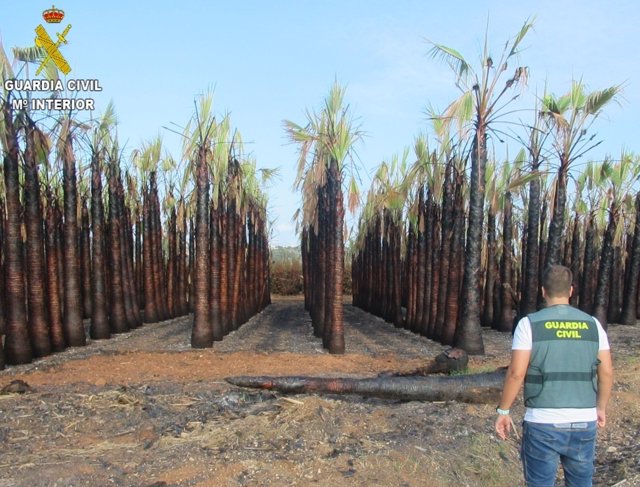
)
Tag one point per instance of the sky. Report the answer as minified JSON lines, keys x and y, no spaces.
{"x":271,"y":61}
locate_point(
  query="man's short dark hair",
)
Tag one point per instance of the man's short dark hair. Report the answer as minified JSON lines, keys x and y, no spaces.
{"x":557,"y":280}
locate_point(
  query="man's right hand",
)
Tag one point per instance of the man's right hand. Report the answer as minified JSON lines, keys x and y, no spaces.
{"x":503,"y":426}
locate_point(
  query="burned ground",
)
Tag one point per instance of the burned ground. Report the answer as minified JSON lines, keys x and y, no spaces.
{"x":145,"y":409}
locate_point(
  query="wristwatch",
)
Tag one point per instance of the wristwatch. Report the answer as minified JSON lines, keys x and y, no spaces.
{"x":502,"y":412}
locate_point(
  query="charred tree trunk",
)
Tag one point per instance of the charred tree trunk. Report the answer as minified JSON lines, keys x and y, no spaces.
{"x":601,"y":299}
{"x":445,"y":253}
{"x":17,"y":346}
{"x":202,"y":332}
{"x":54,"y":301}
{"x":214,"y":300}
{"x":99,"y":316}
{"x":73,"y":326}
{"x":615,"y":294}
{"x":455,"y":269}
{"x":469,"y":332}
{"x":529,"y":301}
{"x":630,"y":301}
{"x":505,"y":319}
{"x":576,"y":262}
{"x":481,"y":388}
{"x":85,"y":260}
{"x":488,"y":314}
{"x":586,"y":284}
{"x":151,"y":314}
{"x":37,"y":316}
{"x":557,"y":227}
{"x":336,"y":342}
{"x":117,"y":317}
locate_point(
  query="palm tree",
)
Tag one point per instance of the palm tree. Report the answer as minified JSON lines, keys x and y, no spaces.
{"x":530,"y":287}
{"x":36,"y":151}
{"x":99,"y":315}
{"x":72,"y":318}
{"x":629,"y":305}
{"x":616,"y":180}
{"x":118,"y":322}
{"x":17,"y":346}
{"x":53,"y":222}
{"x":198,"y":147}
{"x":483,"y":100}
{"x":570,"y":116}
{"x":326,"y":144}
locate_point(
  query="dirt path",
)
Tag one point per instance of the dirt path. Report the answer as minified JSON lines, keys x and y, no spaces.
{"x":143,"y":409}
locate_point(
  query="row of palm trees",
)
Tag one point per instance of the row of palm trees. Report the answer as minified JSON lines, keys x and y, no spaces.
{"x":87,"y":234}
{"x":325,"y":155}
{"x":231,"y":270}
{"x":425,"y":259}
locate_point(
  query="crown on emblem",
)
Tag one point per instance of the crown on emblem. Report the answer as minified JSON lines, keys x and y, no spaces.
{"x":53,"y":15}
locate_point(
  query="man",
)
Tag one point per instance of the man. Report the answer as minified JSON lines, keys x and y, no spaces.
{"x":562,"y":356}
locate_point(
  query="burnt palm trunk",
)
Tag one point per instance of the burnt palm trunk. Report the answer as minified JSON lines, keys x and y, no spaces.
{"x":37,"y":316}
{"x":131,"y":308}
{"x":586,"y":283}
{"x":445,"y":250}
{"x":17,"y":346}
{"x":529,"y":301}
{"x":231,"y":263}
{"x":202,"y":332}
{"x":72,"y":321}
{"x":172,"y":230}
{"x":630,"y":301}
{"x":135,"y":295}
{"x":117,"y":316}
{"x":488,"y":313}
{"x":601,"y":299}
{"x":576,"y":263}
{"x":469,"y":332}
{"x":224,"y":270}
{"x":2,"y":294}
{"x":455,"y":270}
{"x":327,"y":277}
{"x":396,"y":267}
{"x":336,"y":344}
{"x":215,"y":249}
{"x":556,"y":227}
{"x":431,"y":240}
{"x":182,"y":266}
{"x":421,"y":250}
{"x":138,"y":264}
{"x":158,"y":277}
{"x":85,"y":260}
{"x":615,"y":294}
{"x":151,"y":314}
{"x":99,"y":317}
{"x":436,"y":257}
{"x":505,"y":319}
{"x":54,"y":301}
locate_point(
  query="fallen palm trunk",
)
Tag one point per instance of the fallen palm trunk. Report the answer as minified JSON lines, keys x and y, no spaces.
{"x":481,"y":388}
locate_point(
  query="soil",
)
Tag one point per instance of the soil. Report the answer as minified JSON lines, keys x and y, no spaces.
{"x":145,"y":409}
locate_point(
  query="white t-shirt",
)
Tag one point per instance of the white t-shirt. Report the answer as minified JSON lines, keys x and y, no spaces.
{"x":522,"y":340}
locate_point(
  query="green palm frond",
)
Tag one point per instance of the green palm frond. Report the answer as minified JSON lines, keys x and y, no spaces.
{"x":594,"y":102}
{"x":32,"y":54}
{"x":453,"y":58}
{"x":527,"y":26}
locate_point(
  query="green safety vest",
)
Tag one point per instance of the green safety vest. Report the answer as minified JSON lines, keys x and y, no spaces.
{"x":562,"y":370}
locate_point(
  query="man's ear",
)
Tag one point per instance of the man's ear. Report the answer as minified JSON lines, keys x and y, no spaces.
{"x":544,"y":292}
{"x":571,"y":290}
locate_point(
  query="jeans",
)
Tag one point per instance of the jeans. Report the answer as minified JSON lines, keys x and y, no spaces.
{"x":543,"y":445}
